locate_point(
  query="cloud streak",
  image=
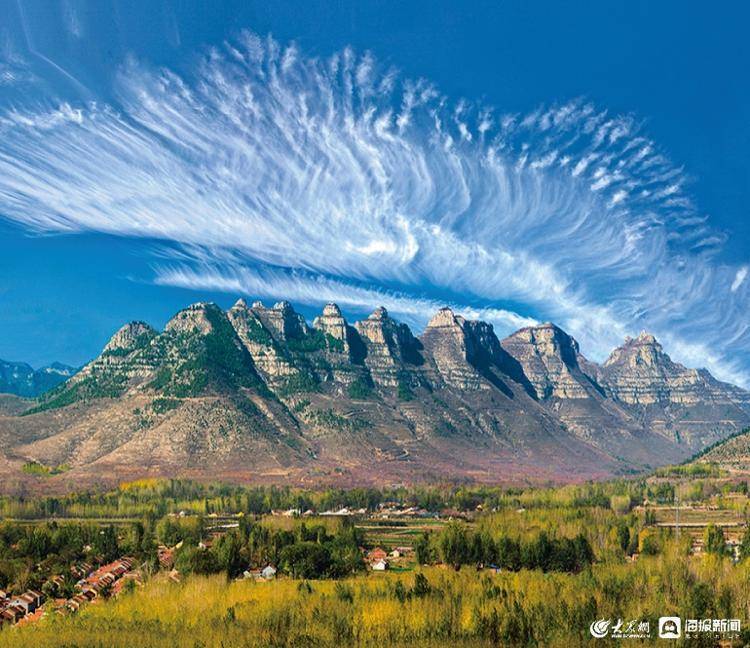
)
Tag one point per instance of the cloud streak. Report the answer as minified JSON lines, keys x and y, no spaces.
{"x":307,"y":289}
{"x":288,"y":176}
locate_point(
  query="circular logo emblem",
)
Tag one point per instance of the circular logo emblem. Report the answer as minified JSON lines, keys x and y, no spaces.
{"x":600,"y":628}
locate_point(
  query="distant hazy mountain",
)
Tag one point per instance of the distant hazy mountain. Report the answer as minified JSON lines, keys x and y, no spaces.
{"x":20,"y":379}
{"x":258,"y":393}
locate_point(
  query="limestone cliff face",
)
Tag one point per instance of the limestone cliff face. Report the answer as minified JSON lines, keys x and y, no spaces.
{"x":454,"y":344}
{"x":258,"y":338}
{"x":121,"y":354}
{"x":332,"y":322}
{"x":193,"y":319}
{"x":391,"y":348}
{"x":640,"y":373}
{"x":129,"y":336}
{"x":281,"y":320}
{"x":550,"y":361}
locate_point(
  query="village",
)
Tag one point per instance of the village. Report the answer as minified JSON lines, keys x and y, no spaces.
{"x":92,"y":584}
{"x":388,"y":537}
{"x":389,"y":524}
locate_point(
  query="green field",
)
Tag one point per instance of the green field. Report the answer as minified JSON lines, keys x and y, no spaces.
{"x":519,"y":567}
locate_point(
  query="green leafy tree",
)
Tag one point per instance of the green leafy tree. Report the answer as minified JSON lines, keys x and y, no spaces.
{"x":421,"y":586}
{"x":305,"y":560}
{"x":509,"y":553}
{"x":454,"y":545}
{"x":745,"y":544}
{"x":193,"y":560}
{"x":714,"y":541}
{"x":228,"y":554}
{"x":423,"y":550}
{"x":106,"y":543}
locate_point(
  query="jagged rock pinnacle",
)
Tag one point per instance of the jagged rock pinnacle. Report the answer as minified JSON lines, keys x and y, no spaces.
{"x":331,"y":310}
{"x":444,"y":317}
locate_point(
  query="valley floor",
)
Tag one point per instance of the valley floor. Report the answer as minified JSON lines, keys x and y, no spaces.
{"x":465,"y":567}
{"x":465,"y":608}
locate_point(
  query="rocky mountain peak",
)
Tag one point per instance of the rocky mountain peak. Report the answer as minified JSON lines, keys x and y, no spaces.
{"x":331,"y":321}
{"x":129,"y":336}
{"x":59,"y":368}
{"x":380,"y":313}
{"x":551,"y":341}
{"x":377,"y":327}
{"x":450,"y":341}
{"x":468,"y":355}
{"x":549,"y":357}
{"x":641,"y":352}
{"x":258,"y":328}
{"x":331,"y":310}
{"x":639,"y":372}
{"x":239,"y":306}
{"x":389,"y":344}
{"x":193,"y":319}
{"x":646,"y":338}
{"x":281,"y":320}
{"x":21,"y":379}
{"x":445,"y":318}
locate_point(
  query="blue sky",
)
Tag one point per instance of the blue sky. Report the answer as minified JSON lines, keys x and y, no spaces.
{"x":583,"y":163}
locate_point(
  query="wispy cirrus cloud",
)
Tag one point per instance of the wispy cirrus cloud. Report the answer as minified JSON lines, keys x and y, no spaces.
{"x":342,"y":181}
{"x":739,"y":279}
{"x":303,"y":288}
{"x":13,"y":68}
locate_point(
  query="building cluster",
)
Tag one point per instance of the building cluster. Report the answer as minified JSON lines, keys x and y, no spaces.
{"x":166,"y":555}
{"x":388,"y":510}
{"x":733,"y":548}
{"x":342,"y":512}
{"x":385,"y":510}
{"x":380,"y":560}
{"x":107,"y":578}
{"x":15,"y":608}
{"x":267,"y":573}
{"x":91,"y":584}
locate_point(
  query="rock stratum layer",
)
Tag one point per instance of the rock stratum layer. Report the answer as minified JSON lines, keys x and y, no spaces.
{"x":257,"y":394}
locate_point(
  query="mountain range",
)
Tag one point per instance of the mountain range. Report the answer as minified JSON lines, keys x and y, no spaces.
{"x":21,"y":379}
{"x":256,"y":393}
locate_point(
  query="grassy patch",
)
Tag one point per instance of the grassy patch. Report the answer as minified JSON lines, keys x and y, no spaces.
{"x":100,"y":384}
{"x":331,"y":419}
{"x":360,"y":389}
{"x":300,"y":406}
{"x":315,"y":340}
{"x":404,"y":392}
{"x":41,"y":470}
{"x":301,"y":382}
{"x":163,"y":405}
